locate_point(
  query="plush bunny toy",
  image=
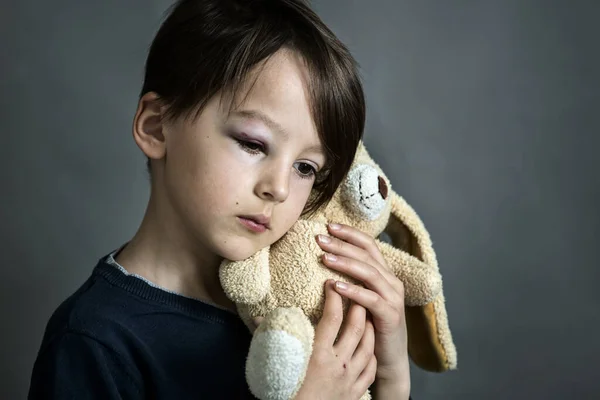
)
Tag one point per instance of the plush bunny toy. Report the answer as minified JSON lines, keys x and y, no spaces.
{"x":284,"y":283}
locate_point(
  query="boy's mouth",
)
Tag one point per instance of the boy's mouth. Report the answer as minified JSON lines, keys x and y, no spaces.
{"x":257,"y":223}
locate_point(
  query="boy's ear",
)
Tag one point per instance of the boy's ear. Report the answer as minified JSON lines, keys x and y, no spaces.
{"x":148,"y":126}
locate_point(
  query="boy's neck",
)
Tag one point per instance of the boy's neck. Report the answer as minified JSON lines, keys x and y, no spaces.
{"x":157,"y":254}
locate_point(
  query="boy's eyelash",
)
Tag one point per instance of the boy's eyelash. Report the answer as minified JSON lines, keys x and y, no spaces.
{"x":257,"y":148}
{"x":250,"y":147}
{"x":310,"y":175}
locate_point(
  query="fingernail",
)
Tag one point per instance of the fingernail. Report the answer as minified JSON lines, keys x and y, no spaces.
{"x":324,"y":239}
{"x":341,"y":285}
{"x":335,"y":227}
{"x":330,"y":257}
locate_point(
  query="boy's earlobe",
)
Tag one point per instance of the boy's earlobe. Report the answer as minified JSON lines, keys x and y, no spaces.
{"x":148,"y":127}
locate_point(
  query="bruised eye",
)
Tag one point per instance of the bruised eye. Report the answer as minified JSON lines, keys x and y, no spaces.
{"x":306,"y":171}
{"x":250,"y":147}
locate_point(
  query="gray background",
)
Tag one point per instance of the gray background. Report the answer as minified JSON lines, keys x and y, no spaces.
{"x":484,"y":114}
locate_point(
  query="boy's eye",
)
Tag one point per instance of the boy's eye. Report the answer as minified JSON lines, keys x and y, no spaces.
{"x":250,"y":147}
{"x":305,"y":170}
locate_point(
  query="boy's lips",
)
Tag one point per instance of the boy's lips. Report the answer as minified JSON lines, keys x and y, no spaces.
{"x":258,"y":222}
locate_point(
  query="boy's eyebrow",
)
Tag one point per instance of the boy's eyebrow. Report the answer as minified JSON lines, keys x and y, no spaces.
{"x":274,"y":126}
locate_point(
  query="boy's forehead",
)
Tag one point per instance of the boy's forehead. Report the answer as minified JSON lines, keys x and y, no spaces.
{"x":275,"y":94}
{"x":282,"y":76}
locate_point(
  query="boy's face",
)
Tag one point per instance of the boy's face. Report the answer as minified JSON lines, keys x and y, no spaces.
{"x":218,"y":169}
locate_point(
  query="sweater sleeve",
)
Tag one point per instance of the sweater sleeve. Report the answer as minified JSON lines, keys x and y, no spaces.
{"x":77,"y":366}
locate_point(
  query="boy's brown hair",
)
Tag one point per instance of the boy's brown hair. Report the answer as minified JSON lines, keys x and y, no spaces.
{"x":205,"y":47}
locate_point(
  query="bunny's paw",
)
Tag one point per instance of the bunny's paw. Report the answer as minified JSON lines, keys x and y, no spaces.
{"x":279,"y":354}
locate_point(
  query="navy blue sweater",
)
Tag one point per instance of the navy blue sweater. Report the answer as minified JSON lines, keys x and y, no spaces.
{"x":118,"y":337}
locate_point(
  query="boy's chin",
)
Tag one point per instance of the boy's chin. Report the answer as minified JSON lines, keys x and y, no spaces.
{"x":239,"y":248}
{"x":239,"y":252}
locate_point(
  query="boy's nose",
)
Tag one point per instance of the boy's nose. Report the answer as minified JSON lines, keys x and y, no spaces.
{"x":274,"y":185}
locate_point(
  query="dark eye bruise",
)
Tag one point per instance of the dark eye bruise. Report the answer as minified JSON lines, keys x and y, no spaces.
{"x":250,"y":147}
{"x":257,"y":148}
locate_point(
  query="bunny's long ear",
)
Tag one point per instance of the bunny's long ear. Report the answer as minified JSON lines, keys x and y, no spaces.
{"x":430,"y":343}
{"x":408,"y":233}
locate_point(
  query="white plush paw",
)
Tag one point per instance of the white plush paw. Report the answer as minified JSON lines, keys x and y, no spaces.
{"x":276,"y":363}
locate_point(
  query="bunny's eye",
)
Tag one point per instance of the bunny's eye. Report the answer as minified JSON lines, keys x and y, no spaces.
{"x":383,"y":187}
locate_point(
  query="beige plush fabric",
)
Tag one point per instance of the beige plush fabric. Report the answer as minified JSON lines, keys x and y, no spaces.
{"x":285,"y":283}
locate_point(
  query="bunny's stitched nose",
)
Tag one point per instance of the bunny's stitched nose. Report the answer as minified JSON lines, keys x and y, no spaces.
{"x":383,"y":188}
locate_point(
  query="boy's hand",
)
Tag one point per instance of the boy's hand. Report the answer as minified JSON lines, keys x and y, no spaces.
{"x":356,"y":255}
{"x":256,"y":321}
{"x":342,"y":369}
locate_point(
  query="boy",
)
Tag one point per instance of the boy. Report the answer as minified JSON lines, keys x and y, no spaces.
{"x":247,"y":107}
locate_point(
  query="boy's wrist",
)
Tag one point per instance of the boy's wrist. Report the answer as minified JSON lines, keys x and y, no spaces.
{"x":390,"y":390}
{"x":395,"y":373}
{"x":392,"y":383}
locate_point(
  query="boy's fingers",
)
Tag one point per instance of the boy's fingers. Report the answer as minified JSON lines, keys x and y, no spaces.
{"x":256,"y":322}
{"x":366,"y":347}
{"x":329,"y":325}
{"x":353,"y":330}
{"x":367,"y":376}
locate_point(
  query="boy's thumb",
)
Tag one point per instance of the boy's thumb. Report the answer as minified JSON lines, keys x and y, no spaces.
{"x":256,"y":321}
